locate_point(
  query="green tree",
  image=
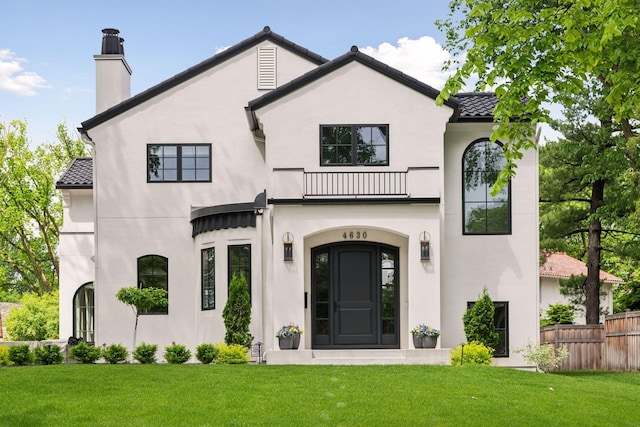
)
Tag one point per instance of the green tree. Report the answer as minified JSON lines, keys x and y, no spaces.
{"x":589,"y":194}
{"x":37,"y":319}
{"x":479,"y":324}
{"x":141,"y":300}
{"x":533,"y":53}
{"x":237,"y":313}
{"x":31,"y":207}
{"x":558,"y":314}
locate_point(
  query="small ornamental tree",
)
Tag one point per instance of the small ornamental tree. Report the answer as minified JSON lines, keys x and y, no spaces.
{"x":237,"y":313}
{"x":478,"y":321}
{"x":141,"y":300}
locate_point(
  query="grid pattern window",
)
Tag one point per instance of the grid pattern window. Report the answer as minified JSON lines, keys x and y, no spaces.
{"x":501,"y":326}
{"x":83,"y":313}
{"x":208,"y":279}
{"x":240,"y":263}
{"x":179,"y":163}
{"x":153,"y":272}
{"x":354,"y":145}
{"x":484,"y":213}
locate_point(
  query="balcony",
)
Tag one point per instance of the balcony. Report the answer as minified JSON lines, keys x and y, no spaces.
{"x":355,"y":184}
{"x":415,"y":182}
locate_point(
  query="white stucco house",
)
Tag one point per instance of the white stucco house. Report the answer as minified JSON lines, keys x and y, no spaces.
{"x":557,"y":266}
{"x":355,"y":206}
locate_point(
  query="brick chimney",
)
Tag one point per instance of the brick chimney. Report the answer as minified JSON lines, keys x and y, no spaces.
{"x":113,"y":75}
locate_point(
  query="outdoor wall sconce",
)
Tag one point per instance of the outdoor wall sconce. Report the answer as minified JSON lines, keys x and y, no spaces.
{"x":425,"y":249}
{"x":287,"y":241}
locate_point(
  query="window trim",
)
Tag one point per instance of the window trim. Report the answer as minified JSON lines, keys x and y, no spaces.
{"x":229,"y":267}
{"x":179,"y":163}
{"x":202,"y":279}
{"x":166,"y":260}
{"x":505,"y":330}
{"x":464,"y":201}
{"x":354,"y":145}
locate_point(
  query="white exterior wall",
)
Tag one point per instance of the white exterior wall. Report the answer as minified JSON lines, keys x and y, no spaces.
{"x":394,"y":225}
{"x":507,"y":264}
{"x":550,"y":294}
{"x":354,"y":94}
{"x":136,"y":218}
{"x":76,"y":249}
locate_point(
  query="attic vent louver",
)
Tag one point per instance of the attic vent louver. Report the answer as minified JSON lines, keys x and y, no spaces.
{"x":267,"y":68}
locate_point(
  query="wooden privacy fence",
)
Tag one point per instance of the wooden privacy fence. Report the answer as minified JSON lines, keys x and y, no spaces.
{"x":614,"y":346}
{"x":622,"y":341}
{"x":585,"y":345}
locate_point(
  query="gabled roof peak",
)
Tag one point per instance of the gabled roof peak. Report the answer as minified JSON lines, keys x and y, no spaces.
{"x":265,"y":34}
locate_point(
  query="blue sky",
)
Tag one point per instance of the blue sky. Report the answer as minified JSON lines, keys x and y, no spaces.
{"x":47,"y":71}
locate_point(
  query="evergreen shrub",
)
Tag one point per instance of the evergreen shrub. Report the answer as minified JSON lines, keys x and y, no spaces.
{"x":85,"y":353}
{"x":206,"y":353}
{"x":176,"y":354}
{"x":49,"y":354}
{"x":145,"y":353}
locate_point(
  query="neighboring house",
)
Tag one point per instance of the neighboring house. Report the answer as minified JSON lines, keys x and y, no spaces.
{"x":354,"y":205}
{"x":559,"y":265}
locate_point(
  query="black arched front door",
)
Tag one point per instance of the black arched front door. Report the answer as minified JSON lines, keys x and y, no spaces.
{"x":354,"y":299}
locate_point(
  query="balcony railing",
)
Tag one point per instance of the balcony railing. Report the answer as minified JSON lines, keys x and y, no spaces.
{"x":355,"y":184}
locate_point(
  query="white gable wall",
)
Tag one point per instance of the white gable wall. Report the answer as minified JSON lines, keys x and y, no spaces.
{"x":355,"y":94}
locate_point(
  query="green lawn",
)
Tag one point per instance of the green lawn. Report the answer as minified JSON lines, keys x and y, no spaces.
{"x":238,"y":395}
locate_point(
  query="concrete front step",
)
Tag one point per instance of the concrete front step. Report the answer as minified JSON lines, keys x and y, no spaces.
{"x":438,"y":356}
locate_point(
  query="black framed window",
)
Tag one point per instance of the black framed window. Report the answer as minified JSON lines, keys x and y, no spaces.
{"x":153,"y":272}
{"x":351,"y":145}
{"x":208,"y":257}
{"x":179,"y":163}
{"x":484,"y":213}
{"x":240,"y":263}
{"x":501,"y":326}
{"x":83,"y":313}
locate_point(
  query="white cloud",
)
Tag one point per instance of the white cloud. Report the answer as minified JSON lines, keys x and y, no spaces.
{"x":14,"y":79}
{"x":422,"y":59}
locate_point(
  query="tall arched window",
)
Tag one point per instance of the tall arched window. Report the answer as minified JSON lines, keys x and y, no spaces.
{"x":153,"y":272}
{"x":484,"y":213}
{"x":83,"y":313}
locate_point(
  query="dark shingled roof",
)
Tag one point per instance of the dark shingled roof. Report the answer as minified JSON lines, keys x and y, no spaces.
{"x":476,"y":106}
{"x":79,"y":174}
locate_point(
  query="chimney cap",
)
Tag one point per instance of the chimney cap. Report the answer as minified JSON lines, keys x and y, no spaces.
{"x":112,"y":43}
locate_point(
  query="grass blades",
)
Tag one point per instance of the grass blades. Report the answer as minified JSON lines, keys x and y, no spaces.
{"x":244,"y":395}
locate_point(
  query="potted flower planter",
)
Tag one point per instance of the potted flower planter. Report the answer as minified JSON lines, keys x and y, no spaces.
{"x":417,"y":341}
{"x":429,"y":342}
{"x":289,"y":337}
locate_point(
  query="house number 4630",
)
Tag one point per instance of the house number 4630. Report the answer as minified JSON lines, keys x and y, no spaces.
{"x":354,"y":235}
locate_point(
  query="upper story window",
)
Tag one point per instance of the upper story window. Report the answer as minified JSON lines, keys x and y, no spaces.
{"x":153,"y":272}
{"x":484,"y":213}
{"x":351,"y":145}
{"x":179,"y":163}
